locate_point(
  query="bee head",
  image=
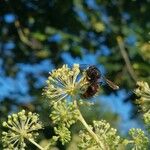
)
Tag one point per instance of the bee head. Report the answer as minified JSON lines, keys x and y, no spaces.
{"x":93,"y":73}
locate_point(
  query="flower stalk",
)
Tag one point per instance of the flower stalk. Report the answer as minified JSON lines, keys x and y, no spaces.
{"x":64,"y":89}
{"x":37,"y":145}
{"x":82,"y":120}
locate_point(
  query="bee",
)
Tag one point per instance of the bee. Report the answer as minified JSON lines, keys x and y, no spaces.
{"x":93,"y":76}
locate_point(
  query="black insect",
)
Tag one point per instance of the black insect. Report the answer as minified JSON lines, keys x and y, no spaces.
{"x":93,"y":76}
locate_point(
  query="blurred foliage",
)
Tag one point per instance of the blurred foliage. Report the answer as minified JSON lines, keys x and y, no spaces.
{"x":33,"y":31}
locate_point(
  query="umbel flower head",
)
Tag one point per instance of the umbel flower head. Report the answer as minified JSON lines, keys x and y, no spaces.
{"x":63,"y":133}
{"x":20,"y":127}
{"x":104,"y":132}
{"x":143,"y":92}
{"x":146,"y":117}
{"x":64,"y":113}
{"x":139,"y":140}
{"x":64,"y":82}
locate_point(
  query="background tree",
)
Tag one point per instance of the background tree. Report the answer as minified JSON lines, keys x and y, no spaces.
{"x":36,"y":36}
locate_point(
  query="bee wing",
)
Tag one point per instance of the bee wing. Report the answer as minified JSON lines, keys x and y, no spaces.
{"x":84,"y":66}
{"x":110,"y":83}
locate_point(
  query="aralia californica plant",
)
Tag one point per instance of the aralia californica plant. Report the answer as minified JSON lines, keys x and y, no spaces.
{"x":63,"y":94}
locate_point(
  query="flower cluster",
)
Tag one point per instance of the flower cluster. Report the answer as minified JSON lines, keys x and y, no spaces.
{"x":64,"y":87}
{"x":20,"y":127}
{"x":64,"y":82}
{"x":139,"y":140}
{"x":63,"y":133}
{"x":147,"y":118}
{"x":143,"y":92}
{"x":104,"y":132}
{"x":64,"y":113}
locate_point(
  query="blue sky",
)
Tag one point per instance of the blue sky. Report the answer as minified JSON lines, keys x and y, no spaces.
{"x":17,"y":87}
{"x":112,"y":101}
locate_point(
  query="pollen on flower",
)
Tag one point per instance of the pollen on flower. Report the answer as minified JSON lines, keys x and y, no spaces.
{"x":64,"y":113}
{"x":64,"y":82}
{"x":143,"y":88}
{"x":64,"y":134}
{"x":143,"y":93}
{"x":104,"y":132}
{"x":20,"y":126}
{"x":140,"y":141}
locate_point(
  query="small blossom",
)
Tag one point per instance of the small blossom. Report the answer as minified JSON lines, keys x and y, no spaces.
{"x":20,"y":127}
{"x":63,"y":133}
{"x":143,"y":88}
{"x":147,"y":118}
{"x":64,"y":82}
{"x":105,"y":134}
{"x":139,"y":140}
{"x":143,"y":92}
{"x":64,"y":113}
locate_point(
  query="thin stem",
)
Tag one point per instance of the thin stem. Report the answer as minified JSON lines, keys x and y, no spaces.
{"x":103,"y":147}
{"x":126,"y":58}
{"x":37,"y":145}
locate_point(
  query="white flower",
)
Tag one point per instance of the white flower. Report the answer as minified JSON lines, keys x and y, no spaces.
{"x":20,"y":127}
{"x":143,"y":88}
{"x":65,"y":82}
{"x":143,"y":93}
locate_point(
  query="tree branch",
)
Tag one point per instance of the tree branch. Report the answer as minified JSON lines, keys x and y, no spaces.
{"x":126,"y":58}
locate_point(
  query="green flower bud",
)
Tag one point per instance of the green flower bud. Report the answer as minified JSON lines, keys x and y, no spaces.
{"x":139,"y":140}
{"x":63,"y":133}
{"x":20,"y":127}
{"x":63,"y":82}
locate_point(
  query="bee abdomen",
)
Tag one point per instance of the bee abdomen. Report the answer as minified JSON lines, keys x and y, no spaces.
{"x":91,"y":90}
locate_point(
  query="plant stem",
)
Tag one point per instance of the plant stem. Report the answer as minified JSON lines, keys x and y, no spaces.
{"x":37,"y":145}
{"x":103,"y":147}
{"x":126,"y":58}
